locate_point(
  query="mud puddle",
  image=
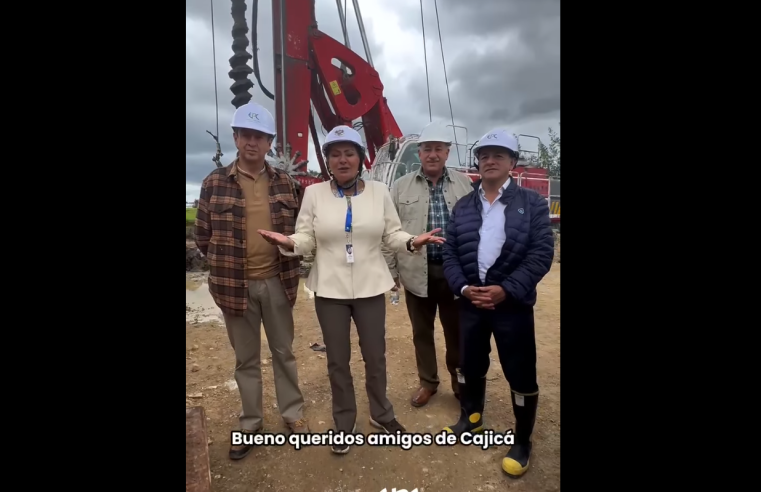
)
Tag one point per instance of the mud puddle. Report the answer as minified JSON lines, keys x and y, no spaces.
{"x":199,"y":305}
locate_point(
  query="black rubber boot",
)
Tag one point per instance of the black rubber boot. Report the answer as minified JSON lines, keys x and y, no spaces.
{"x":516,"y":462}
{"x":472,"y":400}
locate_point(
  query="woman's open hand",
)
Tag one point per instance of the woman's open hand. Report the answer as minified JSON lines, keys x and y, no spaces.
{"x":277,"y":239}
{"x":428,"y":238}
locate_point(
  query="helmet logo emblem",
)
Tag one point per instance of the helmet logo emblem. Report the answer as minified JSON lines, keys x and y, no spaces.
{"x":253,"y":116}
{"x":339,"y":132}
{"x":492,"y":136}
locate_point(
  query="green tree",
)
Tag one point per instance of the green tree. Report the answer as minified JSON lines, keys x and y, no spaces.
{"x":548,"y":155}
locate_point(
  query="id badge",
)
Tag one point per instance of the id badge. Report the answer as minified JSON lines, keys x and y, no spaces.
{"x":349,"y":253}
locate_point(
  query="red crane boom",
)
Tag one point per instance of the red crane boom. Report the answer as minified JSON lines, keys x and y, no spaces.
{"x":307,"y":69}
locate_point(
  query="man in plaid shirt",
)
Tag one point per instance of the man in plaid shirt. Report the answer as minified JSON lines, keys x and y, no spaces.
{"x":250,"y":281}
{"x":423,"y":199}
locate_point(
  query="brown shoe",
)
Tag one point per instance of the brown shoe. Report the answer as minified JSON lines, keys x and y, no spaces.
{"x":240,"y":451}
{"x":298,"y":427}
{"x":421,"y":396}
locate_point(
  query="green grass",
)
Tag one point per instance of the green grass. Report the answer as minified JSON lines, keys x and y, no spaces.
{"x":190,"y":216}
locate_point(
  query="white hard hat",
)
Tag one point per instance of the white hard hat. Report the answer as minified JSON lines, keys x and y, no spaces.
{"x":342,"y":133}
{"x":497,"y":137}
{"x":435,"y":132}
{"x":254,"y":117}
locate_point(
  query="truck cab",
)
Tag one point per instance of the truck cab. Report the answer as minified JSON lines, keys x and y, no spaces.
{"x":406,"y":160}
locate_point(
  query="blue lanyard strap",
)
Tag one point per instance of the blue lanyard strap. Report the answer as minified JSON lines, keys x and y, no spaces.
{"x":347,"y":226}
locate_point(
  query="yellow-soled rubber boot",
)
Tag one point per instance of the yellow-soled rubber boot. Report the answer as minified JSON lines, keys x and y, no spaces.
{"x":472,"y":423}
{"x":472,"y":399}
{"x":516,"y":462}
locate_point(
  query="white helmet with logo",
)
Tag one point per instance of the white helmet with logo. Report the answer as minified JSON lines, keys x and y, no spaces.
{"x":343,"y":133}
{"x":254,"y":117}
{"x":435,"y":132}
{"x":497,"y":137}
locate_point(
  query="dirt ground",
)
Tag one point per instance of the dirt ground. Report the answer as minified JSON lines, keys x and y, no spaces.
{"x":209,"y":382}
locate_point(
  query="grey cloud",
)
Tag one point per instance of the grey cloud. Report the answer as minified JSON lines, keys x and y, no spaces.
{"x":540,"y":106}
{"x":458,"y":18}
{"x":506,"y":87}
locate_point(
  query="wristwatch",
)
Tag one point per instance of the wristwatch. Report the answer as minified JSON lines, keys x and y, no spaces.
{"x":409,"y":244}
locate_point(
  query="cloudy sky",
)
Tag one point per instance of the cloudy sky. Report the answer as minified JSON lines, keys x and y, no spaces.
{"x":502,"y":59}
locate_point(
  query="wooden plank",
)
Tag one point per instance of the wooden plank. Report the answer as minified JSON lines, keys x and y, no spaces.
{"x":197,"y":467}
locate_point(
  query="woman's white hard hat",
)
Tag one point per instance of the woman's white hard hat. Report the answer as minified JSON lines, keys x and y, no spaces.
{"x":342,"y":133}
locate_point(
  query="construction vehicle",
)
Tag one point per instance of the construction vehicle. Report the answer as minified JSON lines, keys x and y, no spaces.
{"x":394,"y":160}
{"x":315,"y":73}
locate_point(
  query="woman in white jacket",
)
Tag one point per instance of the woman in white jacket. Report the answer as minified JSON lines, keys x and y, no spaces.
{"x":348,"y":219}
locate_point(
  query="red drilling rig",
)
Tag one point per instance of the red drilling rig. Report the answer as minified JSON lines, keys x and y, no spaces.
{"x":312,"y":69}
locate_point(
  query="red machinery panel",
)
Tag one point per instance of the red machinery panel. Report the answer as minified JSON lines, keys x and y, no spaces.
{"x":310,"y":74}
{"x":534,"y":178}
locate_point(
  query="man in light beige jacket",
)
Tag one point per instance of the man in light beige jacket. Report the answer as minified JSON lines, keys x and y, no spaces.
{"x":423,"y":200}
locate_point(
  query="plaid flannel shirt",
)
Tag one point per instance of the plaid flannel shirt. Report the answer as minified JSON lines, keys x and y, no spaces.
{"x":221,"y":234}
{"x":438,"y":214}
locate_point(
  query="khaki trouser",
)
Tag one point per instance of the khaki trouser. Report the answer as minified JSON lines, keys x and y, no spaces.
{"x":335,"y":321}
{"x":422,"y":311}
{"x":267,"y":304}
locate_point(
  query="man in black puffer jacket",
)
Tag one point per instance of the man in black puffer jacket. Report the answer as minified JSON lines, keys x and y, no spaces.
{"x":499,"y":245}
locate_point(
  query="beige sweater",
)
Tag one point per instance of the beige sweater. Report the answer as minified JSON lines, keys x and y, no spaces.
{"x":375,"y":222}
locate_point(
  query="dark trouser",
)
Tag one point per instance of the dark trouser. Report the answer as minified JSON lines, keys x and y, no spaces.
{"x":422,"y":311}
{"x":513,"y":327}
{"x":335,"y":321}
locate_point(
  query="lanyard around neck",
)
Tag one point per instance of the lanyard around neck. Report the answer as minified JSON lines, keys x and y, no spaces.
{"x":348,"y":223}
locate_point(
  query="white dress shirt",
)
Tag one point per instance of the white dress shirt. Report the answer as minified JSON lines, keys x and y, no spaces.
{"x":492,"y":231}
